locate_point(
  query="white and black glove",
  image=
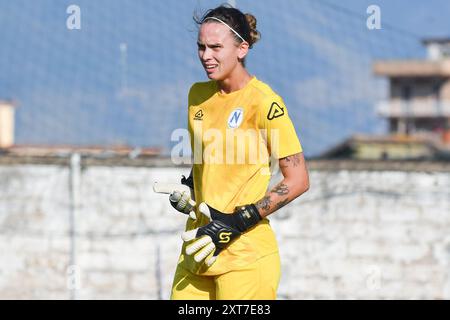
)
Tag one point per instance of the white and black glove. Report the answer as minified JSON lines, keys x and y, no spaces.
{"x":181,"y":196}
{"x":220,"y":232}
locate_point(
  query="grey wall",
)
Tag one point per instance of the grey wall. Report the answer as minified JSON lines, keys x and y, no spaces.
{"x":356,"y":234}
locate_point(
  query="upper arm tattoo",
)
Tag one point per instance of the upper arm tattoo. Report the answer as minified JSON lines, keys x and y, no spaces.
{"x":293,"y":161}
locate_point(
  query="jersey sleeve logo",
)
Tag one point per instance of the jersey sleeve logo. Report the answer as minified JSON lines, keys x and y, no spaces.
{"x":198,"y":115}
{"x":275,"y":111}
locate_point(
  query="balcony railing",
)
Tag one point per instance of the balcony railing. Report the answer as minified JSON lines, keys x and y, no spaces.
{"x":413,"y":108}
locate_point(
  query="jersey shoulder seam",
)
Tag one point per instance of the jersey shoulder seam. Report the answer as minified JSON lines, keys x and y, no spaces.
{"x":260,"y":90}
{"x":265,"y":94}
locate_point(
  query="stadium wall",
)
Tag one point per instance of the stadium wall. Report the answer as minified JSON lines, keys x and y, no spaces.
{"x":359,"y":233}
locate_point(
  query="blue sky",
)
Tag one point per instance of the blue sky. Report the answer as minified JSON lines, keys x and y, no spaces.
{"x":77,"y":87}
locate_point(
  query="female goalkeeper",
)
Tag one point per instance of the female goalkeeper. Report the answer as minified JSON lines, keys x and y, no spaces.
{"x":230,"y":251}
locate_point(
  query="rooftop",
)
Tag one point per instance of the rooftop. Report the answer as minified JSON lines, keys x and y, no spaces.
{"x":408,"y":68}
{"x":389,"y":147}
{"x":439,"y":40}
{"x":58,"y":154}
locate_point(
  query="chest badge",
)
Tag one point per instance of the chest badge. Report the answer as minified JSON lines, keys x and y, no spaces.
{"x":235,"y":118}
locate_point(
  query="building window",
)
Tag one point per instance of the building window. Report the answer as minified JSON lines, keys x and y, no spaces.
{"x":406,"y":92}
{"x":437,"y":91}
{"x":445,"y":51}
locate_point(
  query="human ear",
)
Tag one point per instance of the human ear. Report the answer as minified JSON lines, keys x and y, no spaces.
{"x":243,"y":50}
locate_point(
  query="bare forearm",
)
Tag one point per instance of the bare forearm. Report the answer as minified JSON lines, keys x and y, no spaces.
{"x":278,"y":197}
{"x":295,"y":183}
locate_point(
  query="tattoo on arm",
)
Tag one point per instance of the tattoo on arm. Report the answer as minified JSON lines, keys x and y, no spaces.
{"x":281,"y":189}
{"x":293,"y":160}
{"x":282,"y":203}
{"x":264,"y":203}
{"x":267,"y":204}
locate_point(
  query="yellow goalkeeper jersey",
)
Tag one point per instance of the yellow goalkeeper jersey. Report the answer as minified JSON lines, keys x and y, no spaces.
{"x":233,"y":138}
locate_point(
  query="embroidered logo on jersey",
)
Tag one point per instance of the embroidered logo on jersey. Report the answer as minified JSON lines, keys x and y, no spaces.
{"x":235,"y":118}
{"x":275,"y":111}
{"x":198,"y":115}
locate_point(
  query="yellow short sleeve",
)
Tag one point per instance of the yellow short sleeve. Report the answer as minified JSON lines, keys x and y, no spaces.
{"x":282,"y":139}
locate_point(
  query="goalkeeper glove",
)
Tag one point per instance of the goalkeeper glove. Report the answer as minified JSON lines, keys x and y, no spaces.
{"x":180,"y":195}
{"x":183,"y":200}
{"x":220,"y":232}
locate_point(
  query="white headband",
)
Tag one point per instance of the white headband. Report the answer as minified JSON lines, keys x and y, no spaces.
{"x":235,"y":32}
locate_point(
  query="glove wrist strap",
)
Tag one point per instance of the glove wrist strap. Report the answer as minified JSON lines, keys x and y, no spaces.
{"x":247,"y":217}
{"x":189,"y":181}
{"x":243,"y":218}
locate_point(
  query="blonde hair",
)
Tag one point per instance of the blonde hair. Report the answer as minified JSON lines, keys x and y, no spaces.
{"x":254,"y":33}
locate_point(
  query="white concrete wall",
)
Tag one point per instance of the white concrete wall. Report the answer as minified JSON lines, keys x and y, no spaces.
{"x":354,"y":235}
